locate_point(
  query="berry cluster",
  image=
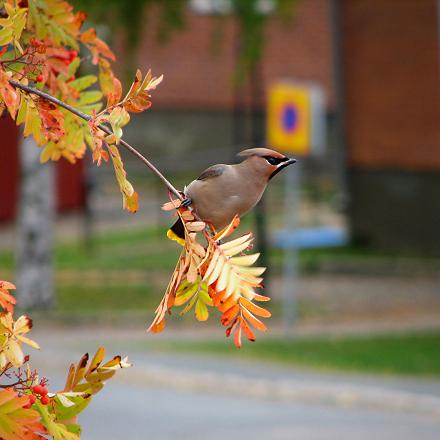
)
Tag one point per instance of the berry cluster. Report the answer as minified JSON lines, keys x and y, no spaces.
{"x":40,"y":390}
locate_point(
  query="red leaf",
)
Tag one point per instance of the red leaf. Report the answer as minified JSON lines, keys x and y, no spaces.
{"x":52,"y":119}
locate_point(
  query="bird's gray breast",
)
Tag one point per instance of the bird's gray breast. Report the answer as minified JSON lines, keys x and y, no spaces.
{"x":222,"y":194}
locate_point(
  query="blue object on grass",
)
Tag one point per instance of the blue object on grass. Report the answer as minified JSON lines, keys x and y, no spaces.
{"x":306,"y":238}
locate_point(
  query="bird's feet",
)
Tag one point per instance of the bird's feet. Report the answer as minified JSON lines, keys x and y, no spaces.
{"x":186,"y":202}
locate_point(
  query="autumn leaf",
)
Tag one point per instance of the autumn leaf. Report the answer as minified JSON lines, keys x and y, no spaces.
{"x":8,"y":94}
{"x":110,"y":85}
{"x":51,"y":118}
{"x":12,"y":336}
{"x":13,"y":25}
{"x":56,"y":429}
{"x":130,"y":197}
{"x":16,"y":422}
{"x":96,"y":46}
{"x":7,"y":301}
{"x":89,"y":377}
{"x":138,"y":97}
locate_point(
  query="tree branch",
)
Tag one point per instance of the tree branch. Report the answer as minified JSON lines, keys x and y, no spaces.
{"x":126,"y":145}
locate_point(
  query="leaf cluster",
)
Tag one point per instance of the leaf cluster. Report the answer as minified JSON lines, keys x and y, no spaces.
{"x":42,"y":44}
{"x":218,"y":274}
{"x":24,"y":413}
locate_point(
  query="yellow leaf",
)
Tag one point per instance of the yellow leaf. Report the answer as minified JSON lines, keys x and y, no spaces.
{"x":246,"y":260}
{"x":234,"y":243}
{"x":216,"y":271}
{"x":131,"y":203}
{"x":223,"y":278}
{"x":212,"y":264}
{"x":201,"y":311}
{"x":97,"y":359}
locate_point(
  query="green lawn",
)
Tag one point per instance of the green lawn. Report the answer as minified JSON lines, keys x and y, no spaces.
{"x":129,"y":270}
{"x":415,"y":354}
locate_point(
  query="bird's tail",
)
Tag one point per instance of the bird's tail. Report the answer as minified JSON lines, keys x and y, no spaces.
{"x":177,"y":232}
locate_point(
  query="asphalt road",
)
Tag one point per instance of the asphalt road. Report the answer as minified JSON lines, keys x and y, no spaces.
{"x":139,"y":413}
{"x":167,"y":396}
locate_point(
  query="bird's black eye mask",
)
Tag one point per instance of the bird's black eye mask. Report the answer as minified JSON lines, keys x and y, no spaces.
{"x":280,"y":162}
{"x":275,"y":160}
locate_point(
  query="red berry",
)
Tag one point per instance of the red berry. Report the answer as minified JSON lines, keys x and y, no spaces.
{"x":44,"y":390}
{"x":73,"y":54}
{"x":26,"y":358}
{"x":32,"y":399}
{"x":39,"y":79}
{"x":44,"y":400}
{"x":38,"y":389}
{"x":66,"y":62}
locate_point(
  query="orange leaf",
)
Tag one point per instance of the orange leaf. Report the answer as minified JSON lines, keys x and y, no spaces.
{"x":257,"y":310}
{"x":247,"y":331}
{"x":96,"y":46}
{"x":237,"y":337}
{"x":229,"y":315}
{"x":157,"y":327}
{"x":7,"y":301}
{"x":8,"y":93}
{"x":253,"y":320}
{"x":228,"y":230}
{"x":230,"y":329}
{"x":52,"y":119}
{"x":18,"y":423}
{"x":261,"y":297}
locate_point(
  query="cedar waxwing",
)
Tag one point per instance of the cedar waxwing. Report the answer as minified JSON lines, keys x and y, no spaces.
{"x":223,"y":191}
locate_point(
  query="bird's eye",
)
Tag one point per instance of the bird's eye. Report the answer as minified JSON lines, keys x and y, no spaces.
{"x":272,"y":160}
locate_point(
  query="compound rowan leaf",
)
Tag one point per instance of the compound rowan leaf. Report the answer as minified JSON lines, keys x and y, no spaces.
{"x":16,"y":422}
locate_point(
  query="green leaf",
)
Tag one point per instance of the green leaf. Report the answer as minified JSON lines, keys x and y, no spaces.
{"x":90,"y":97}
{"x":59,"y":431}
{"x":84,"y":82}
{"x":78,"y":404}
{"x":201,"y":311}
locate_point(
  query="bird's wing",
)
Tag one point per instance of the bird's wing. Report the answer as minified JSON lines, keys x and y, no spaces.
{"x":214,"y":171}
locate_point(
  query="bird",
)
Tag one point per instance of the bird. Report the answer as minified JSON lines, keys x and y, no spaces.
{"x":223,"y":191}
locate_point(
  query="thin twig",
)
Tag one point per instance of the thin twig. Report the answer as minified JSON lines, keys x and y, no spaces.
{"x":105,"y":129}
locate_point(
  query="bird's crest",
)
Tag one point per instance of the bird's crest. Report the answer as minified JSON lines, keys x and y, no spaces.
{"x":261,"y":152}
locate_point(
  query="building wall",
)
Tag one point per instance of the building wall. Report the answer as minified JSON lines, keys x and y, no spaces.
{"x":392,"y":83}
{"x":69,"y":183}
{"x":199,"y":61}
{"x":8,"y":168}
{"x":192,"y":108}
{"x":391,"y":71}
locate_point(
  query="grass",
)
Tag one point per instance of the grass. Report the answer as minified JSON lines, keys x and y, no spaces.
{"x":74,"y":298}
{"x":128,"y":270}
{"x":415,"y":354}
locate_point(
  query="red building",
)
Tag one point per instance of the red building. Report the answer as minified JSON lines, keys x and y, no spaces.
{"x":69,"y":179}
{"x":391,"y":59}
{"x":378,"y":61}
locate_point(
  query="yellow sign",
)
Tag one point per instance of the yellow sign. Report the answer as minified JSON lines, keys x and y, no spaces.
{"x":289,"y":119}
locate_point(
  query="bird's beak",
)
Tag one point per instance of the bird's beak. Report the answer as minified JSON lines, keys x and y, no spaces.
{"x":281,"y":166}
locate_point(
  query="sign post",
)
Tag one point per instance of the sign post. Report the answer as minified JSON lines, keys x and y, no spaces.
{"x":295,"y":125}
